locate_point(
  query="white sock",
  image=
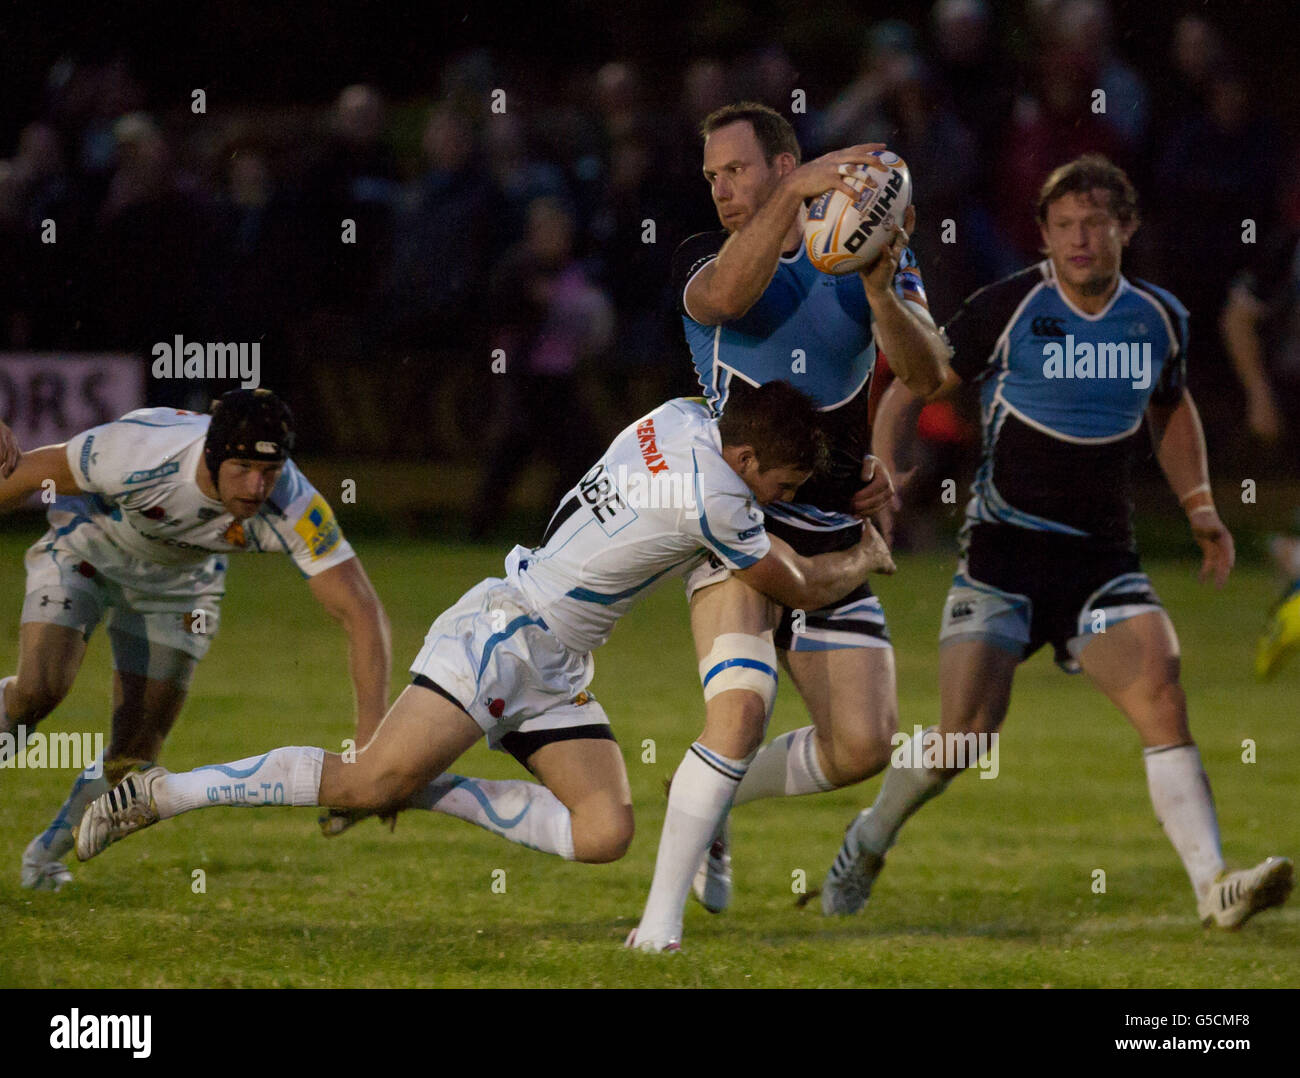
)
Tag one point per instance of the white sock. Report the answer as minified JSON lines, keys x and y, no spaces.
{"x":785,"y":767}
{"x":1180,"y":794}
{"x":701,"y":793}
{"x":522,"y":812}
{"x":56,"y":840}
{"x":288,"y":776}
{"x":904,"y":790}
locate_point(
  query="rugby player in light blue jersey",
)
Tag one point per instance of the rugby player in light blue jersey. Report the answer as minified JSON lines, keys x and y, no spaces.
{"x":755,"y":309}
{"x":1070,"y":357}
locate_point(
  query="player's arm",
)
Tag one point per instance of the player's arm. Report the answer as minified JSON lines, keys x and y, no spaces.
{"x":893,"y":450}
{"x":730,"y":285}
{"x":1180,"y":449}
{"x":917,"y":352}
{"x":805,"y":583}
{"x":50,"y":462}
{"x":1239,"y":325}
{"x":347,"y":595}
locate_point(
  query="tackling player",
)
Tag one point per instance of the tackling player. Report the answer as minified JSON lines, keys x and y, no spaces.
{"x":754,"y":310}
{"x":151,"y":507}
{"x":1070,"y":357}
{"x":512,"y":659}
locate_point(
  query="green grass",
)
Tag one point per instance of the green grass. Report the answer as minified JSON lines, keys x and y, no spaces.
{"x":991,"y":884}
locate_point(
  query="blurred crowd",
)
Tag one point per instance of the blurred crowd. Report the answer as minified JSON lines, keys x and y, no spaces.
{"x":395,"y":257}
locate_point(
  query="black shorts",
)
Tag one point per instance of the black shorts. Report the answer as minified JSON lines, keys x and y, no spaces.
{"x":1020,"y":589}
{"x":856,"y":621}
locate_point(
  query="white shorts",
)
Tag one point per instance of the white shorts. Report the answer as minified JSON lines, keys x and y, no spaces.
{"x":497,"y":658}
{"x":147,"y":629}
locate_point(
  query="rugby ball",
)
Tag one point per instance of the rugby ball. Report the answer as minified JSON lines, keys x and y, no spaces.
{"x":843,"y":236}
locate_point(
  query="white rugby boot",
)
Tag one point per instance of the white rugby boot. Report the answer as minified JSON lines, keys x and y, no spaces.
{"x":712,"y":884}
{"x":668,"y":946}
{"x":42,"y":872}
{"x":848,"y":883}
{"x":1235,"y":897}
{"x":126,"y":808}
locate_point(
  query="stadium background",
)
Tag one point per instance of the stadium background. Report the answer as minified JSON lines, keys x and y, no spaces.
{"x":225,"y":226}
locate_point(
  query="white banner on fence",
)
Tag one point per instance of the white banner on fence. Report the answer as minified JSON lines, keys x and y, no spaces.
{"x":50,"y":396}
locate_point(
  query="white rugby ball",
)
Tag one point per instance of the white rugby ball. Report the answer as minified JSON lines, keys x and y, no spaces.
{"x":843,"y":236}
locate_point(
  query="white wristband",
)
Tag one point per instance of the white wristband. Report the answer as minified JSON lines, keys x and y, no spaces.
{"x":1204,"y":488}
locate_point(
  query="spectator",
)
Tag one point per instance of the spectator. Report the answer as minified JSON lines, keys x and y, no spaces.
{"x":549,"y":320}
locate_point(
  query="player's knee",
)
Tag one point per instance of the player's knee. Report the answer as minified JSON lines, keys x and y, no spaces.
{"x":739,"y":681}
{"x":1166,"y":708}
{"x":602,"y":836}
{"x":28,"y":703}
{"x":857,"y":754}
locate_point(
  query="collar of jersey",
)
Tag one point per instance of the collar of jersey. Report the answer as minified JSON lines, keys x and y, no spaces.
{"x":1049,"y":275}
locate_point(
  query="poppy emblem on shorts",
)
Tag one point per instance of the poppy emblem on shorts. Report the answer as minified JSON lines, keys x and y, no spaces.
{"x":496,"y":708}
{"x":155,"y":513}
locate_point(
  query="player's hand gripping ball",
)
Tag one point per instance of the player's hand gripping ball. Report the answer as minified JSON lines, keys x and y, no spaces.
{"x":843,"y":236}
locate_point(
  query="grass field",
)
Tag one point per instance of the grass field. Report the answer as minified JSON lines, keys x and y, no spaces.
{"x":991,"y":884}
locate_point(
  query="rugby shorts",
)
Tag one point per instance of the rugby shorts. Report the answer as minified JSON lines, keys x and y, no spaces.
{"x":1019,"y":589}
{"x":154,"y":633}
{"x":492,"y":655}
{"x":856,"y":621}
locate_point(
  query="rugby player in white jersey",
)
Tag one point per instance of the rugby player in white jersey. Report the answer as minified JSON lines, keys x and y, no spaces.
{"x":512,"y":659}
{"x":150,"y":508}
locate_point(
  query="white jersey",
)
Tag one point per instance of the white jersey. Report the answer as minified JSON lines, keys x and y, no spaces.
{"x":660,"y":501}
{"x":144,"y":523}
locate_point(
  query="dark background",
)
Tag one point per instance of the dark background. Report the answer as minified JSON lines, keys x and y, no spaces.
{"x":225,"y":226}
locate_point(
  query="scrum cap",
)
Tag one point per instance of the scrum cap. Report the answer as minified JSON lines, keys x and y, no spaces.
{"x":248,"y":424}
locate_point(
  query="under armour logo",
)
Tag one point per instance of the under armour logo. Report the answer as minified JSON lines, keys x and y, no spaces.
{"x":46,"y":600}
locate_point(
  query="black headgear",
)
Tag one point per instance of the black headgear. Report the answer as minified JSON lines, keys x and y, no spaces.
{"x":248,"y":424}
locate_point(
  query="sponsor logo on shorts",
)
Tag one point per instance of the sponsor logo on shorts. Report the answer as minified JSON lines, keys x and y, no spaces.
{"x":170,"y":468}
{"x":935,"y":750}
{"x":961,"y":610}
{"x":318,"y":528}
{"x":496,"y":707}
